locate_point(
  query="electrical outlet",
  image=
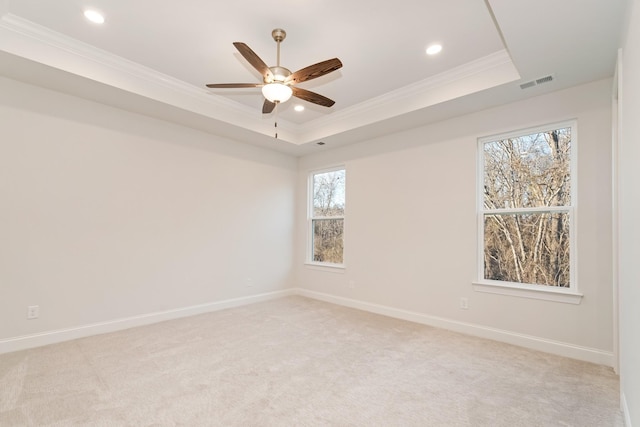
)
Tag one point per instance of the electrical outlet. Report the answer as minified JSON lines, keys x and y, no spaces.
{"x":33,"y":312}
{"x":464,"y":303}
{"x":352,"y":284}
{"x":249,"y":283}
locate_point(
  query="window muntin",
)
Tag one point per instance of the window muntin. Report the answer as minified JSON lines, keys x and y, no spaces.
{"x":326,"y":219}
{"x":526,"y":216}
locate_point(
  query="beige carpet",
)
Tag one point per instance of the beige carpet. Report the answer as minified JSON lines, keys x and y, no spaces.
{"x":299,"y":362}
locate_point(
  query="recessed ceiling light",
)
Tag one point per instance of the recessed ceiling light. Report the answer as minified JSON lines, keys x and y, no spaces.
{"x":94,"y":16}
{"x":433,"y":49}
{"x":299,"y":108}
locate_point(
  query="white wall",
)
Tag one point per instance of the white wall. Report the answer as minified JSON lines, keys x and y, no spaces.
{"x":107,"y":214}
{"x":629,"y":205}
{"x":411,"y":226}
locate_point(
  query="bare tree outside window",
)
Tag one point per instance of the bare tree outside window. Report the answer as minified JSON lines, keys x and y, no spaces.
{"x":327,"y":216}
{"x":527,"y":208}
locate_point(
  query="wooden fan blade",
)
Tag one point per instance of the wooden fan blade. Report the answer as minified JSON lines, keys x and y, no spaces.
{"x":314,"y":71}
{"x":307,"y":95}
{"x":254,"y":60}
{"x":268,"y":106}
{"x":233,"y":85}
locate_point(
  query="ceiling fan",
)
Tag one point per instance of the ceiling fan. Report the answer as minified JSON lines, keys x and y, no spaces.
{"x":278,"y":82}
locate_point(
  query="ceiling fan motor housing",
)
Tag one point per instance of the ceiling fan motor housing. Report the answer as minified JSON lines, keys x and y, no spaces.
{"x":279,"y":75}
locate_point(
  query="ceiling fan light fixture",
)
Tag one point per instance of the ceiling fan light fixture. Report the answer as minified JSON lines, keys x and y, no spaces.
{"x":277,"y":92}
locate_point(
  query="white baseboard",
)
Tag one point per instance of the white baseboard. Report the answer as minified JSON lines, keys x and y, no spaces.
{"x":625,"y":410}
{"x":563,"y":349}
{"x":587,"y":354}
{"x":53,"y":337}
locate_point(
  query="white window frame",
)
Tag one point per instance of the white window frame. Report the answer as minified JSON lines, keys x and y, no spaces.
{"x":536,"y":291}
{"x":310,"y":218}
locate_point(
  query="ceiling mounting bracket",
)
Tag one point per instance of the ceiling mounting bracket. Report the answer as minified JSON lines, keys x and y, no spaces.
{"x":278,"y":35}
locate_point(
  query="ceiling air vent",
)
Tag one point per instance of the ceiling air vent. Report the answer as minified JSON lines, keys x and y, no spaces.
{"x":528,"y":84}
{"x":544,"y":79}
{"x":538,"y":81}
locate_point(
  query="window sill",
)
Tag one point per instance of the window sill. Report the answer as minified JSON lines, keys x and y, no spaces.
{"x":529,"y":291}
{"x":331,"y":268}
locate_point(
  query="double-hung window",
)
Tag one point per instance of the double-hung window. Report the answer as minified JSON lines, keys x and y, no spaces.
{"x":526,"y":214}
{"x":326,"y":217}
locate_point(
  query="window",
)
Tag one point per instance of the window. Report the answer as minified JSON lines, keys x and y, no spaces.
{"x":326,"y":216}
{"x":526,"y":208}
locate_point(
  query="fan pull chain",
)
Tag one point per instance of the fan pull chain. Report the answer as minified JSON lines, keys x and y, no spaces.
{"x":275,"y":124}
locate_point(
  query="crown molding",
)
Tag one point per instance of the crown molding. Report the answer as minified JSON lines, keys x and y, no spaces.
{"x":34,"y":42}
{"x":486,"y":72}
{"x":29,"y":40}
